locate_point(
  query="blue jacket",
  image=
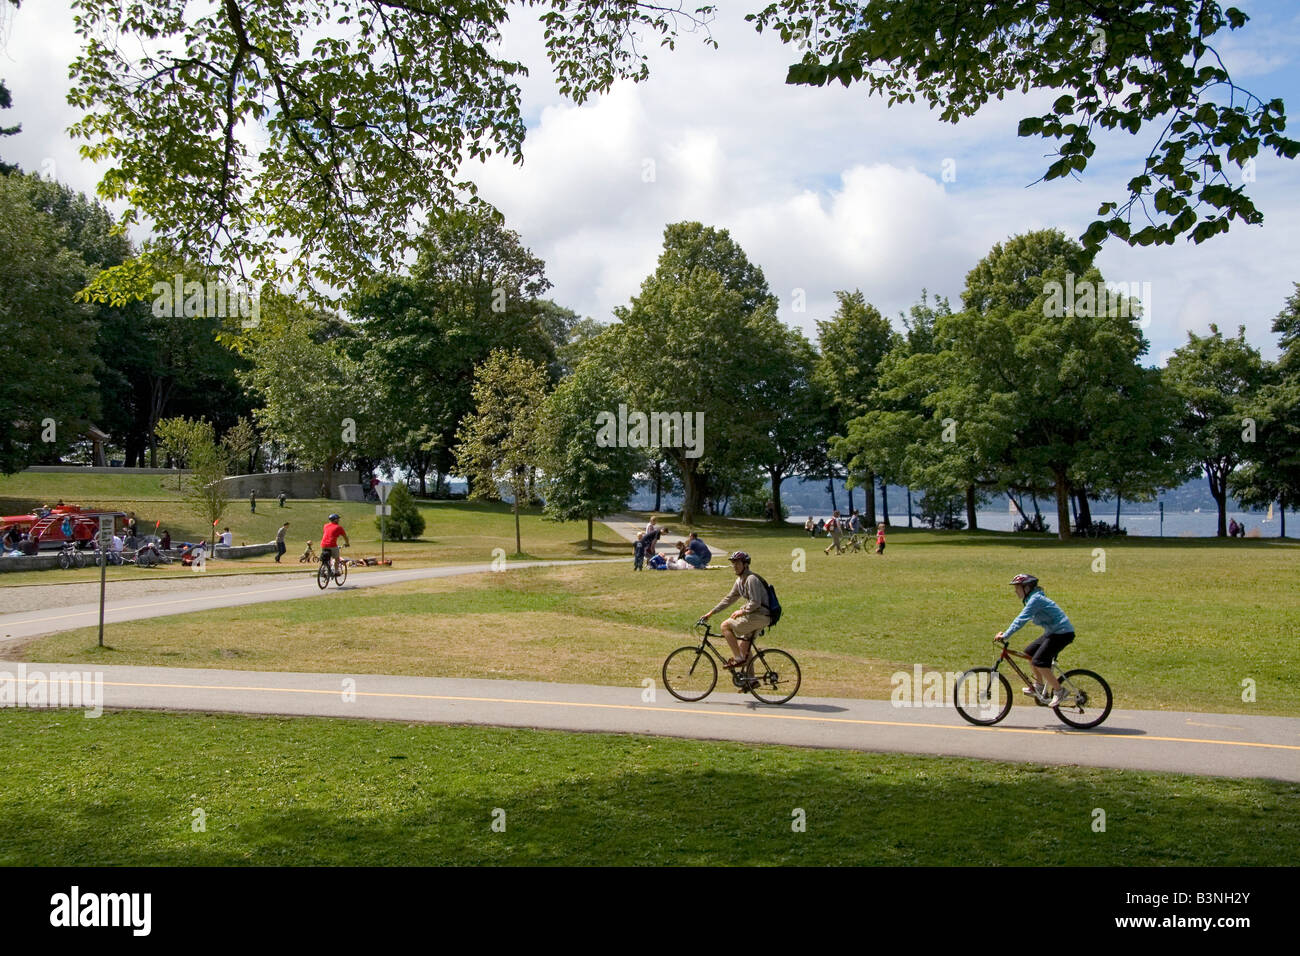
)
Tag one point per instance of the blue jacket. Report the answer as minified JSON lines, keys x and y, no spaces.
{"x":1044,"y":612}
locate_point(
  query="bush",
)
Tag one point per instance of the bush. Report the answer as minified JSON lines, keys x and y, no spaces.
{"x":1036,"y":523}
{"x":942,"y":511}
{"x":1099,"y":529}
{"x":405,"y":522}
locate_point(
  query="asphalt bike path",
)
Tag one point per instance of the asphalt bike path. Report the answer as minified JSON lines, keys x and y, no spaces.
{"x":1228,"y":745}
{"x":256,"y":589}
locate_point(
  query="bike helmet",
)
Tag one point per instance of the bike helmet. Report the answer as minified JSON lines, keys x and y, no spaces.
{"x":334,"y":517}
{"x":739,"y":556}
{"x":1028,"y":580}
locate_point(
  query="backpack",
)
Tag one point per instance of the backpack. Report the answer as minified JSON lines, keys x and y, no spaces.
{"x":773,"y":602}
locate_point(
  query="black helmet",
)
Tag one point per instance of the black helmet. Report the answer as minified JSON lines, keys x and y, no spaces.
{"x":334,"y":517}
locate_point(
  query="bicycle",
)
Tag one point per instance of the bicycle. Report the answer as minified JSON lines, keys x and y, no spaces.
{"x":690,"y":673}
{"x":984,"y":701}
{"x":70,"y":556}
{"x":331,"y":569}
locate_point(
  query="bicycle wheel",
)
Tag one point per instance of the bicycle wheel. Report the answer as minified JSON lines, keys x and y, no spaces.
{"x":690,"y":673}
{"x":79,"y":558}
{"x":65,"y":560}
{"x":777,"y":676}
{"x":980,"y":698}
{"x":340,"y":573}
{"x":1091,"y":703}
{"x":323,"y":576}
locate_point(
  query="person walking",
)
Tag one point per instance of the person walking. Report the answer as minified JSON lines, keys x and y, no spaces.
{"x":279,"y":541}
{"x":283,"y":496}
{"x":252,"y":502}
{"x":833,"y":527}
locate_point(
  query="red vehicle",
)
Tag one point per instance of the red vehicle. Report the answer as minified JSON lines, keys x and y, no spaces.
{"x":48,"y":530}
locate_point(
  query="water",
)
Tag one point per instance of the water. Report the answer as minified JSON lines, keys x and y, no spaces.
{"x":1178,"y":524}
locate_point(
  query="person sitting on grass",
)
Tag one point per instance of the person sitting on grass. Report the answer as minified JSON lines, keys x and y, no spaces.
{"x":752,"y":617}
{"x":307,"y":555}
{"x":1057,"y":633}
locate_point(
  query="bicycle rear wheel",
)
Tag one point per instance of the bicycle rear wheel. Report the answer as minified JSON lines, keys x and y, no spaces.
{"x":65,"y":560}
{"x":1091,"y":702}
{"x":982,"y":696}
{"x":777,"y":676}
{"x":79,"y":558}
{"x":340,"y":572}
{"x":690,"y":673}
{"x":323,"y":576}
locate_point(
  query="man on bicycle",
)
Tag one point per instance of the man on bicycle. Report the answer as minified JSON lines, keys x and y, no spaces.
{"x":329,"y":540}
{"x":753,"y":616}
{"x":1057,"y":633}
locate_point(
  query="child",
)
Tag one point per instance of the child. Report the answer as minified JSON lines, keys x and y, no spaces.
{"x":307,"y":555}
{"x":638,"y":559}
{"x":1057,"y":633}
{"x":880,"y":538}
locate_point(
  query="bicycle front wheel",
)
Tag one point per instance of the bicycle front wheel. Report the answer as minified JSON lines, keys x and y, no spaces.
{"x":79,"y":558}
{"x":65,"y":560}
{"x":323,"y":576}
{"x":1090,"y":699}
{"x":690,"y":673}
{"x":340,"y":573}
{"x":982,"y":696}
{"x":777,"y":676}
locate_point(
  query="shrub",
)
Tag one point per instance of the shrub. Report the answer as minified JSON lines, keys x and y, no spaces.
{"x":405,"y":522}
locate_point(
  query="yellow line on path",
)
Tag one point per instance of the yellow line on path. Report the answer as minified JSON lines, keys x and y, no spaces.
{"x":710,"y":713}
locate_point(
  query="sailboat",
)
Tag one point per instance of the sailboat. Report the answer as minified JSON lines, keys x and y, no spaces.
{"x":1270,"y":512}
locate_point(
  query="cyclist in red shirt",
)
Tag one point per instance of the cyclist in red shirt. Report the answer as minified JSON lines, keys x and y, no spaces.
{"x":329,"y":541}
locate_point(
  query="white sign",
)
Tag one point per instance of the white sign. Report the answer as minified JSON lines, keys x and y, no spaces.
{"x":105,"y":531}
{"x":384,"y":488}
{"x":383,"y":509}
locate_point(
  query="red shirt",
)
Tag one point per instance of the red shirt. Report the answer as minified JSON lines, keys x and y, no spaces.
{"x":330,"y":539}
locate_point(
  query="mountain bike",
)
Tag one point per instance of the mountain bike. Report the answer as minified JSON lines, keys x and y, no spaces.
{"x":983,"y":696}
{"x":333,"y":569}
{"x":70,"y":556}
{"x":690,"y":673}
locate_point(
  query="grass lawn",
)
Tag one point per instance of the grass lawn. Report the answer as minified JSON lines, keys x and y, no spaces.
{"x":1177,"y":624}
{"x":121,"y":790}
{"x":455,"y":532}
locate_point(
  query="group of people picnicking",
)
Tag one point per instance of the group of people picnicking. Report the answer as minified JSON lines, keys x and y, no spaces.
{"x":837,"y":527}
{"x":692,"y":554}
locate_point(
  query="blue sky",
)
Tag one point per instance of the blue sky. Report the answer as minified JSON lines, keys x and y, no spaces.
{"x":825,"y":189}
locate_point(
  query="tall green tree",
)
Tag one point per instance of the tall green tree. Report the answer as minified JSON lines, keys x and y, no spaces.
{"x":585,"y":477}
{"x":1216,"y":379}
{"x":46,"y":337}
{"x":791,"y":411}
{"x":502,"y":440}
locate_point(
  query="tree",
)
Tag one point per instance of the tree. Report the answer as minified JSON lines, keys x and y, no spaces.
{"x":242,"y":443}
{"x":6,"y":102}
{"x":1119,"y":65}
{"x":501,"y":441}
{"x":367,"y":110}
{"x":704,"y":317}
{"x":313,"y":397}
{"x":585,"y":478}
{"x":206,"y":490}
{"x":178,"y":437}
{"x":404,"y":522}
{"x":1215,"y":379}
{"x":49,"y":394}
{"x":791,"y":411}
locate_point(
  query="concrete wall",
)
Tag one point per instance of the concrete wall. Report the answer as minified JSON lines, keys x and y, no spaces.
{"x":244,"y":550}
{"x":29,"y":562}
{"x":295,"y":484}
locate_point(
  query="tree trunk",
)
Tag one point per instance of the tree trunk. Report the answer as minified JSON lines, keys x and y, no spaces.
{"x":690,"y":495}
{"x":589,"y":533}
{"x":1118,"y":499}
{"x":850,"y":493}
{"x":1219,"y":490}
{"x":972,"y":521}
{"x":1282,"y":514}
{"x":659,"y":484}
{"x":519,"y":548}
{"x":1085,"y":510}
{"x":869,"y":492}
{"x":830,"y":487}
{"x":1038,"y":512}
{"x":884,"y":502}
{"x":777,"y":481}
{"x":1062,"y":506}
{"x":909,"y":506}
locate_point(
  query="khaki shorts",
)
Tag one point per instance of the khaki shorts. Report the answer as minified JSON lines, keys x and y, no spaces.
{"x":747,"y":624}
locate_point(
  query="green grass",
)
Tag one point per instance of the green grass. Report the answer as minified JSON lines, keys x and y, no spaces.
{"x":456,"y":532}
{"x":1173,"y":625}
{"x":121,"y":790}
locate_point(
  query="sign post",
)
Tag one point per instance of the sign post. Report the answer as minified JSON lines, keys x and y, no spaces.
{"x":382,"y":510}
{"x":105,"y":542}
{"x":1162,"y":519}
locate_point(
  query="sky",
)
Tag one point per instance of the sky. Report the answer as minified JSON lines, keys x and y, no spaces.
{"x":824,"y":188}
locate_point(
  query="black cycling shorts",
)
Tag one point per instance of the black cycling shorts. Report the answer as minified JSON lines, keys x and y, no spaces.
{"x":1044,"y":650}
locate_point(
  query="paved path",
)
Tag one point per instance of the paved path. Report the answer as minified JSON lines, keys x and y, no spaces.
{"x":627,"y":527}
{"x":1206,"y":744}
{"x":183,"y":597}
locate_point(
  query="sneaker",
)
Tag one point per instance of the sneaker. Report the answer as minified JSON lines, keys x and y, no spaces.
{"x":1062,"y":696}
{"x":1036,"y":691}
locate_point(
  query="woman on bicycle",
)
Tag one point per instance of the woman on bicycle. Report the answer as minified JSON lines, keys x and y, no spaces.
{"x":1057,"y":633}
